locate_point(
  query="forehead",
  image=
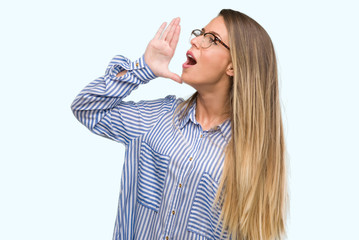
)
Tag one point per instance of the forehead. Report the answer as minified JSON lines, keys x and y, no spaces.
{"x":218,"y":26}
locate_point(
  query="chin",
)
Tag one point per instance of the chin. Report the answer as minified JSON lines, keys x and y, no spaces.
{"x":189,"y":81}
{"x":187,"y":78}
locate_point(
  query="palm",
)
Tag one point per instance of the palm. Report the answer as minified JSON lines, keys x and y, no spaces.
{"x":161,"y":49}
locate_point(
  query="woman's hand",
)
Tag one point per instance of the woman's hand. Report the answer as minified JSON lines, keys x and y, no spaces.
{"x":161,"y":49}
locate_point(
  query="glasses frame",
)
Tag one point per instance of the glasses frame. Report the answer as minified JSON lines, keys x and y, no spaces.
{"x":216,"y":39}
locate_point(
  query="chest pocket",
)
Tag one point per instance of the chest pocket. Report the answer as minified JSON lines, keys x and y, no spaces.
{"x":204,"y":215}
{"x":151,"y":177}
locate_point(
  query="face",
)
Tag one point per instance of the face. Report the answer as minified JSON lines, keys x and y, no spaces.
{"x":209,"y":69}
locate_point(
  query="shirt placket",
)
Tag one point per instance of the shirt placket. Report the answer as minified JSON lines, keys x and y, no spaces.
{"x":190,"y":161}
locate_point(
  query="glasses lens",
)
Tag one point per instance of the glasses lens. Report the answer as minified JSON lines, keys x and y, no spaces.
{"x":208,"y":39}
{"x":195,"y":33}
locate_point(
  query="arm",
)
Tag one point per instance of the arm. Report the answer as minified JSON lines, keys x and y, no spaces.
{"x":100,"y":106}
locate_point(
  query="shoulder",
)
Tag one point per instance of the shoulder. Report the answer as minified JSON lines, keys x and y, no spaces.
{"x":165,"y":104}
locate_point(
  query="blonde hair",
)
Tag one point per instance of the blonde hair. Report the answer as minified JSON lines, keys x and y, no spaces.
{"x":253,"y":193}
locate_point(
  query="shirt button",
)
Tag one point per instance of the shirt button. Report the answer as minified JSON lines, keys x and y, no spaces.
{"x":137,"y":64}
{"x":180,"y":185}
{"x":190,"y":159}
{"x":173,"y":212}
{"x":166,"y":237}
{"x":201,"y":136}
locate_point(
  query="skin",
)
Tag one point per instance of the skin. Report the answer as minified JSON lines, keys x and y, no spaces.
{"x":210,"y":76}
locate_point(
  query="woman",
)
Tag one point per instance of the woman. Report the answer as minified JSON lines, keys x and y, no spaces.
{"x":211,"y":167}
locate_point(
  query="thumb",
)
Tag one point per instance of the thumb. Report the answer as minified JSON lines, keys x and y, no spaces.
{"x":173,"y":76}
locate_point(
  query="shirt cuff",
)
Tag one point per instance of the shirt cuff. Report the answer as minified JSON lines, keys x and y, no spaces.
{"x":142,"y":70}
{"x":139,"y":68}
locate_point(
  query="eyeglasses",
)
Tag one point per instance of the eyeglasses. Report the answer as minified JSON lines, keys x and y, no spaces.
{"x":208,"y":38}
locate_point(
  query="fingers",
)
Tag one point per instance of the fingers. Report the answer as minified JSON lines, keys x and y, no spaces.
{"x":172,"y":29}
{"x":160,"y":30}
{"x":174,"y":40}
{"x":168,"y":29}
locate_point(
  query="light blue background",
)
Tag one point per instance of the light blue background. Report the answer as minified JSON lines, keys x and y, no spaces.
{"x":59,"y":181}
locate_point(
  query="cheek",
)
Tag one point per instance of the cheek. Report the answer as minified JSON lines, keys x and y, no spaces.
{"x":213,"y":66}
{"x":210,"y":68}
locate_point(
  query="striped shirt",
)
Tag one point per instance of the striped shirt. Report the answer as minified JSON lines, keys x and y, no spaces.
{"x":172,"y":167}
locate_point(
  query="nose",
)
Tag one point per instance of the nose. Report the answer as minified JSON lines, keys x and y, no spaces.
{"x":196,"y":41}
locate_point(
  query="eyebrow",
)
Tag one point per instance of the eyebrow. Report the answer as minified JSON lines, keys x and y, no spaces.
{"x":204,"y":30}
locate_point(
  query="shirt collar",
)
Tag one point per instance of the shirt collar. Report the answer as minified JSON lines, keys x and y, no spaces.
{"x":224,"y":128}
{"x":191,"y":115}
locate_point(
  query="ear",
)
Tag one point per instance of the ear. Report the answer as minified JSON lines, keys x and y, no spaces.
{"x":230,"y":71}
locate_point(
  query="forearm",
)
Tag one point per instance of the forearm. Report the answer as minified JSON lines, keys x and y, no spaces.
{"x":122,"y":76}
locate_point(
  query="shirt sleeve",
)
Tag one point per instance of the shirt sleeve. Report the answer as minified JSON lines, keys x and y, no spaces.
{"x":100,"y":106}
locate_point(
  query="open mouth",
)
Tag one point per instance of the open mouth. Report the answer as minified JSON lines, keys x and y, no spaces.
{"x":191,"y":60}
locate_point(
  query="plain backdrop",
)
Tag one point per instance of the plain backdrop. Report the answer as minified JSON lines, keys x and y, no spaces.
{"x":59,"y":181}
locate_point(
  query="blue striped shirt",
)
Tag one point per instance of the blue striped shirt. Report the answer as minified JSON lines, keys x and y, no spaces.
{"x":172,"y":166}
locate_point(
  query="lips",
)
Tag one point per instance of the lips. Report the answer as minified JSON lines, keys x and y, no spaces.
{"x":191,"y":60}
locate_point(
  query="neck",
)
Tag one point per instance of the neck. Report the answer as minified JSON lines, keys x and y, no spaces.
{"x":212,"y":108}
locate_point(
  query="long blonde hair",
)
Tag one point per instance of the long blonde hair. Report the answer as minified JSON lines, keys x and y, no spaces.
{"x":252,"y":194}
{"x":253,"y":190}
